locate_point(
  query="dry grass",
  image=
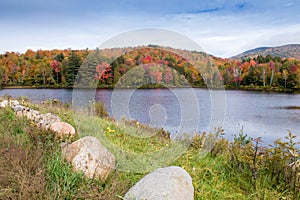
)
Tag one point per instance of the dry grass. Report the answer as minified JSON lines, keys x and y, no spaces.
{"x":22,"y":173}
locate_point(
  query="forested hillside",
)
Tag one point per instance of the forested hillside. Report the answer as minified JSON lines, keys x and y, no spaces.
{"x":58,"y":68}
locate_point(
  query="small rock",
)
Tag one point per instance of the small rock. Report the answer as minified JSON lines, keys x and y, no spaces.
{"x":89,"y":156}
{"x":18,"y":108}
{"x":62,"y":129}
{"x":164,"y":183}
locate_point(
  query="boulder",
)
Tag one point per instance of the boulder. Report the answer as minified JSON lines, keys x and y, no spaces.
{"x":44,"y":120}
{"x":164,"y":183}
{"x":89,"y":156}
{"x":26,"y":112}
{"x":4,"y":103}
{"x":10,"y":103}
{"x":18,"y":108}
{"x":62,"y":129}
{"x":14,"y":103}
{"x":31,"y":114}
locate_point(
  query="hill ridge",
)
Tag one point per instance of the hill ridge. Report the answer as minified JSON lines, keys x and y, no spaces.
{"x":283,"y":51}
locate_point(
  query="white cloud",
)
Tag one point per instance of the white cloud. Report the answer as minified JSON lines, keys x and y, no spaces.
{"x":231,"y":30}
{"x":288,"y":4}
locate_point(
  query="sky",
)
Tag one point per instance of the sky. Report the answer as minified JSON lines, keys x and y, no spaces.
{"x":222,"y":28}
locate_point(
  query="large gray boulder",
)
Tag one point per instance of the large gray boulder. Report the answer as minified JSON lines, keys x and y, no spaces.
{"x":172,"y":183}
{"x":89,"y":156}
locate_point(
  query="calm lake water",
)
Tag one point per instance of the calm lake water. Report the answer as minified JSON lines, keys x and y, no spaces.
{"x":258,"y":114}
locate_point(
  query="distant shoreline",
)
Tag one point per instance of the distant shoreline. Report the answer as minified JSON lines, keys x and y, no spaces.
{"x":255,"y":89}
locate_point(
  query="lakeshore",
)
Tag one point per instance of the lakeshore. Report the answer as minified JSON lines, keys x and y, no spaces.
{"x":226,"y":171}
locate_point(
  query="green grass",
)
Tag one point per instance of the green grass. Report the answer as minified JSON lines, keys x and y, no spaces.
{"x":63,"y":183}
{"x":31,"y":166}
{"x":213,"y":179}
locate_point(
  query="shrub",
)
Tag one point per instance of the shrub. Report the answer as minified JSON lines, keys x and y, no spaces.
{"x":100,"y":110}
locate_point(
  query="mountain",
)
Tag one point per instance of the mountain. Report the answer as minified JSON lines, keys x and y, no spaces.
{"x":285,"y":51}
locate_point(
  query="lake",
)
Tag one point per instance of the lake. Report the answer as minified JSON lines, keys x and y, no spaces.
{"x":258,"y":114}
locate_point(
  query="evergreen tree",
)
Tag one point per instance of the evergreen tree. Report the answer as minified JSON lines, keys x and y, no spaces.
{"x":73,"y":66}
{"x":60,"y":57}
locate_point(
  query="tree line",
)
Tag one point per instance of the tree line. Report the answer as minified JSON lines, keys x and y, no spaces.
{"x":156,"y":67}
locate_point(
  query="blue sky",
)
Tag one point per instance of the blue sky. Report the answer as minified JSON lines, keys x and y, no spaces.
{"x":222,"y":28}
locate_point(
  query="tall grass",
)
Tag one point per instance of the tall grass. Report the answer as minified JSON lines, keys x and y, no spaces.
{"x":31,"y":166}
{"x":22,"y":174}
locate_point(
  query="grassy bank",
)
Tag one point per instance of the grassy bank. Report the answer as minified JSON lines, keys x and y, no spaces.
{"x":31,"y":166}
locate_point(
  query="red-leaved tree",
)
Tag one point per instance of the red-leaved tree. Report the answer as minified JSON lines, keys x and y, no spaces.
{"x":103,"y":71}
{"x":56,"y":67}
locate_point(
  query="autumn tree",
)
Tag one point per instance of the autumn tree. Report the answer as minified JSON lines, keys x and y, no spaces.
{"x":103,"y":72}
{"x":168,"y":76}
{"x":155,"y":74}
{"x":56,"y":68}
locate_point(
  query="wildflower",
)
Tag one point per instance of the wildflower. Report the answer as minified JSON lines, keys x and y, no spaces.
{"x":110,"y":130}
